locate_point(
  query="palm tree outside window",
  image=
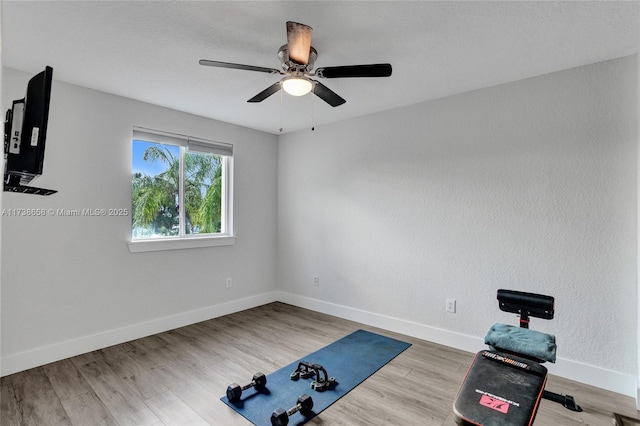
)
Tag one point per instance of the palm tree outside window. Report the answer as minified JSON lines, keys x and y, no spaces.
{"x":180,"y":186}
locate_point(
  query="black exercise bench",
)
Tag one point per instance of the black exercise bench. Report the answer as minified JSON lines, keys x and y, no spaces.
{"x":504,"y":384}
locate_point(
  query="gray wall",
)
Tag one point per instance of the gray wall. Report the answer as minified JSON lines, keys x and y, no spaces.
{"x":529,"y":185}
{"x":70,"y":284}
{"x":638,"y":221}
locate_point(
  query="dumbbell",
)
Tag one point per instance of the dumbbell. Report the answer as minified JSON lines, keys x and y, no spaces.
{"x":234,"y":390}
{"x":281,"y":417}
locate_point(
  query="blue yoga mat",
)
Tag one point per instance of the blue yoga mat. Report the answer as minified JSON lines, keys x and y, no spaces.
{"x":351,"y":360}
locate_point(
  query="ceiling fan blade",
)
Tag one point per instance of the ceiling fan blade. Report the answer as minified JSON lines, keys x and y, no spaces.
{"x":266,"y":93}
{"x":299,"y":42}
{"x":372,"y":70}
{"x":327,"y":95}
{"x":238,"y":66}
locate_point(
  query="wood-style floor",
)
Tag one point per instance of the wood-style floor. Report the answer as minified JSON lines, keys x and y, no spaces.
{"x":178,"y":377}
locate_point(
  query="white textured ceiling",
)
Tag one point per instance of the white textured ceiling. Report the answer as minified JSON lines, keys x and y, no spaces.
{"x":149,"y":50}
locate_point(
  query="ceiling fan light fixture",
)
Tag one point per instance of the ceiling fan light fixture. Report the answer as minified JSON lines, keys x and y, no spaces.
{"x":297,"y":59}
{"x":297,"y":86}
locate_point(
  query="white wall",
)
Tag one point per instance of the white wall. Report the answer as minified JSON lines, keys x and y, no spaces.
{"x":70,"y":284}
{"x":529,"y":185}
{"x":638,"y":251}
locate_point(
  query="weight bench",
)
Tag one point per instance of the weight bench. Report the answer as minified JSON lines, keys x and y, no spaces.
{"x":504,"y":385}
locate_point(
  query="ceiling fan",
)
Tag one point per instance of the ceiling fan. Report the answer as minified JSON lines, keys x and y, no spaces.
{"x":297,"y":58}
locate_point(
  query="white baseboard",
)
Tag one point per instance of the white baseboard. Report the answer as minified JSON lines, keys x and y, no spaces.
{"x":58,"y":351}
{"x":583,"y":373}
{"x":588,"y":374}
{"x":413,"y":329}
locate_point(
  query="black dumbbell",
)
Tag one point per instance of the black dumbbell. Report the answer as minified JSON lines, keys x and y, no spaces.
{"x":304,"y":405}
{"x":234,"y":390}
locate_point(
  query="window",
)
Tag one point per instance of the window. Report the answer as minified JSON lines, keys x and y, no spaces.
{"x":181,"y":191}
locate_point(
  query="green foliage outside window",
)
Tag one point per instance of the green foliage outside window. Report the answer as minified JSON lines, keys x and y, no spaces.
{"x":156,"y":197}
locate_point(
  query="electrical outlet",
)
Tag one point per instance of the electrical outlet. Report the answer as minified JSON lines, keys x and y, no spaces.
{"x":451,"y":305}
{"x":229,"y":282}
{"x":316,"y":281}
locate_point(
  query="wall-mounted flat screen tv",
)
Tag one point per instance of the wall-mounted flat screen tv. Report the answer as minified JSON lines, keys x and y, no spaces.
{"x":25,"y":134}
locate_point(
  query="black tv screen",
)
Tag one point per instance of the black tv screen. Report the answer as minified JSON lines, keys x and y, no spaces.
{"x":25,"y":135}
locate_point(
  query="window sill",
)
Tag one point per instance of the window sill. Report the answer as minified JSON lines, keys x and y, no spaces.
{"x":139,"y":246}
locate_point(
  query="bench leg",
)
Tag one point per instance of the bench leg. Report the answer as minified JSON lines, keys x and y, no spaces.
{"x":567,"y":401}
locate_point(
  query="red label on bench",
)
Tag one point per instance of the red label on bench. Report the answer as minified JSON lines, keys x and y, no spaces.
{"x":495,"y":404}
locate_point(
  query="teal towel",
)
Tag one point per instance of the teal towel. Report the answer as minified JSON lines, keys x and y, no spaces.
{"x":522,"y":341}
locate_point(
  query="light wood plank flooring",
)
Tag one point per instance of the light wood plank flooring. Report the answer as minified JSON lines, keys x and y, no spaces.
{"x":178,"y":377}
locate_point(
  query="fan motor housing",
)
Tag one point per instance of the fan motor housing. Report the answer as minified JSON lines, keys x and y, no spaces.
{"x":289,"y":65}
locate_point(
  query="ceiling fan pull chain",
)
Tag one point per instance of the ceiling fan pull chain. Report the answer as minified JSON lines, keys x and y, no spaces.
{"x":313,"y":127}
{"x":281,"y":107}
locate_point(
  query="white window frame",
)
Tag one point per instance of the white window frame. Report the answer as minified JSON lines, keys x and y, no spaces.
{"x":183,"y":240}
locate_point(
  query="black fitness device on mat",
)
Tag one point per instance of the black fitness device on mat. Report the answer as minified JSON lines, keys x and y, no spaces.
{"x":504,"y":385}
{"x":322,"y":380}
